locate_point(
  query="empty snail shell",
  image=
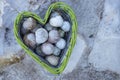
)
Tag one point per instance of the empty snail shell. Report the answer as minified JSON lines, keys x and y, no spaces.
{"x":66,"y":26}
{"x":53,"y":60}
{"x":41,"y":35}
{"x":56,"y":21}
{"x":47,"y":48}
{"x":61,"y":43}
{"x":48,"y":27}
{"x":29,"y":24}
{"x":29,"y":40}
{"x":56,"y":51}
{"x":53,"y":36}
{"x":39,"y":52}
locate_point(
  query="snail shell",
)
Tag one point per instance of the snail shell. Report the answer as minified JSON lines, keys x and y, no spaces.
{"x":41,"y":35}
{"x":48,"y":27}
{"x":29,"y":40}
{"x":29,"y":24}
{"x":38,"y":51}
{"x":54,"y":14}
{"x":53,"y":60}
{"x":56,"y":21}
{"x":61,"y":43}
{"x":47,"y":48}
{"x":62,"y":33}
{"x":56,"y":51}
{"x":53,"y":36}
{"x":66,"y":26}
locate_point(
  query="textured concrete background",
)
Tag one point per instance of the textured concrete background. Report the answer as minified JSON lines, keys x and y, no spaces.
{"x":98,"y":26}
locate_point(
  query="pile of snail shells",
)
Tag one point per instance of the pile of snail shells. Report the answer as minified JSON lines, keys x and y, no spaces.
{"x":47,"y":41}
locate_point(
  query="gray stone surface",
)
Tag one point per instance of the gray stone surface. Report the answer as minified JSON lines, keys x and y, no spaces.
{"x":106,"y":50}
{"x":15,"y":65}
{"x":79,"y":49}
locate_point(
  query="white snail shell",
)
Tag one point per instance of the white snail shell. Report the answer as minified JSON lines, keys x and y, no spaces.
{"x":61,"y":43}
{"x":53,"y":60}
{"x":41,"y":35}
{"x":38,"y":51}
{"x":29,"y":24}
{"x":53,"y":36}
{"x":56,"y":21}
{"x":54,"y":14}
{"x":47,"y":48}
{"x":29,"y":40}
{"x":66,"y":26}
{"x":56,"y":51}
{"x":48,"y":27}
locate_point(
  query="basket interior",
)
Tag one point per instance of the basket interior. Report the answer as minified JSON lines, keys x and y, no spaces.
{"x":67,"y":37}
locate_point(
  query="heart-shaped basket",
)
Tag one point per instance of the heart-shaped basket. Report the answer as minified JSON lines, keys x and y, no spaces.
{"x":67,"y":14}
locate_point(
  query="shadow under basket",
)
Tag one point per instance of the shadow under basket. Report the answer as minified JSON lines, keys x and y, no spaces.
{"x":67,"y":13}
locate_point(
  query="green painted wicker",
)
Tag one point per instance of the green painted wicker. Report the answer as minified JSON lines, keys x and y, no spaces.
{"x":57,"y":5}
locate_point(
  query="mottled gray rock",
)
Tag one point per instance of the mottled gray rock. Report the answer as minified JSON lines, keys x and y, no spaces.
{"x":19,"y":5}
{"x":2,"y":5}
{"x":9,"y":45}
{"x":106,"y":50}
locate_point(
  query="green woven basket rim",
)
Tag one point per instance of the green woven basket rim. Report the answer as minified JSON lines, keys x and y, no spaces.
{"x":57,"y":5}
